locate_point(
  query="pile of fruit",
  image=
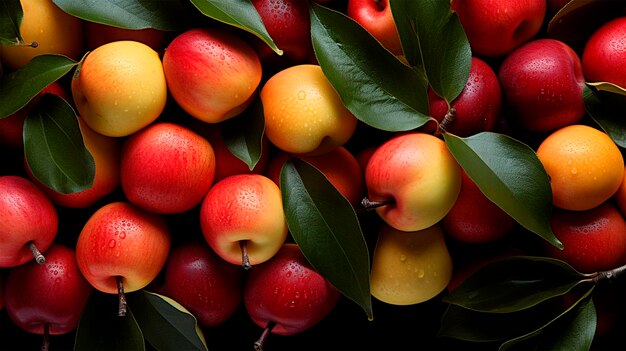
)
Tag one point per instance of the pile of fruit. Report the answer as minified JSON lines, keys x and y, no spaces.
{"x":321,"y":174}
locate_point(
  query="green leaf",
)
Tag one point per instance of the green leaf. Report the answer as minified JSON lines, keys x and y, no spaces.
{"x":101,"y":329}
{"x":606,"y":108}
{"x":578,"y":336}
{"x":54,"y":146}
{"x":515,"y":283}
{"x":510,"y":174}
{"x":238,"y":13}
{"x":243,"y":134}
{"x":373,"y":84}
{"x":325,"y":226}
{"x":20,"y":86}
{"x":166,"y":324}
{"x":11,"y":15}
{"x":435,"y":42}
{"x":131,"y":14}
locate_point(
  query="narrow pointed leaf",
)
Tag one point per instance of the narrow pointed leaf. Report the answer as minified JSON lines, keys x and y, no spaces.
{"x":373,"y":84}
{"x":54,"y":148}
{"x":20,"y":86}
{"x":243,"y":134}
{"x":608,"y":87}
{"x":11,"y":15}
{"x":101,"y":329}
{"x":131,"y":14}
{"x":325,"y":226}
{"x":509,"y":173}
{"x":435,"y":42}
{"x":606,"y":108}
{"x":166,"y":324}
{"x":515,"y":283}
{"x":238,"y":13}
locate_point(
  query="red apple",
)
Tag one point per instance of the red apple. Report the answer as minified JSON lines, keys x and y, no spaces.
{"x":28,"y":221}
{"x":542,"y":82}
{"x":495,"y":27}
{"x":166,"y":168}
{"x":209,"y":287}
{"x":375,"y":16}
{"x":604,"y":53}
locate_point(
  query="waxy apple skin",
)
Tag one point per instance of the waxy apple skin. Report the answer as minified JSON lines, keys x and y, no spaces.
{"x":605,"y":52}
{"x":375,"y":16}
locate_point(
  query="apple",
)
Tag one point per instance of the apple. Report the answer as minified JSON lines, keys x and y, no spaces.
{"x":542,"y":82}
{"x":47,"y":299}
{"x":375,"y":16}
{"x":495,"y":27}
{"x":206,"y":285}
{"x":28,"y":221}
{"x":97,"y":34}
{"x":122,"y":248}
{"x":242,"y":219}
{"x":211,"y":73}
{"x":120,"y":88}
{"x":413,"y":180}
{"x":476,"y":109}
{"x":286,"y":295}
{"x":166,"y":168}
{"x":604,"y":53}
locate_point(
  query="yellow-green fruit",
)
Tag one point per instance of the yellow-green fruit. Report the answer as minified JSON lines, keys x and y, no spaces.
{"x":410,"y":267}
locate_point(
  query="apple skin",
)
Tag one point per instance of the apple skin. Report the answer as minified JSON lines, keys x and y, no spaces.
{"x":97,"y":34}
{"x":542,"y":82}
{"x":166,"y":168}
{"x":209,"y":287}
{"x":478,"y":107}
{"x":417,"y":172}
{"x":244,"y":208}
{"x":604,"y":53}
{"x":289,"y":292}
{"x":211,"y":73}
{"x":375,"y":16}
{"x":495,"y":27}
{"x":120,"y":239}
{"x":54,"y":292}
{"x":26,"y":215}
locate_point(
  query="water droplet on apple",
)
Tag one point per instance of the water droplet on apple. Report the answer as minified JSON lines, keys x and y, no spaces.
{"x":574,"y":170}
{"x":57,"y":280}
{"x":112,"y":243}
{"x":402,"y":258}
{"x":420,"y":273}
{"x":122,"y":235}
{"x":301,"y":95}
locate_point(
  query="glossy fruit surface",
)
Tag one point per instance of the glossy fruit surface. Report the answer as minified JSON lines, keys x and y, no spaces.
{"x":605,"y":52}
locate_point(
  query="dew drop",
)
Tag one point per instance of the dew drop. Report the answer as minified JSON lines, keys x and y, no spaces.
{"x":122,"y":235}
{"x":301,"y":95}
{"x":420,"y":273}
{"x":574,"y":170}
{"x":57,"y":280}
{"x":402,"y":258}
{"x":112,"y":243}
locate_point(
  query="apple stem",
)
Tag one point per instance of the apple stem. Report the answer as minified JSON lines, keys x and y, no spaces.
{"x":609,"y":275}
{"x":258,"y":345}
{"x":370,"y":205}
{"x":447,"y":119}
{"x":122,"y":297}
{"x":38,"y":256}
{"x":45,"y":346}
{"x":245,"y":260}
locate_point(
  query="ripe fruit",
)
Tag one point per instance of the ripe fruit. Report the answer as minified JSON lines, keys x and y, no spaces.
{"x":211,"y":73}
{"x":584,"y":165}
{"x":28,"y":221}
{"x":49,"y":298}
{"x":46,"y":29}
{"x":604,"y":53}
{"x":375,"y":16}
{"x":410,"y":267}
{"x":286,"y":295}
{"x":477,"y":108}
{"x":495,"y":27}
{"x":166,"y":168}
{"x":594,"y":240}
{"x":543,"y":83}
{"x":120,"y":88}
{"x":303,"y":112}
{"x":121,"y":248}
{"x":242,"y":219}
{"x":209,"y":287}
{"x":97,"y":34}
{"x":416,"y":178}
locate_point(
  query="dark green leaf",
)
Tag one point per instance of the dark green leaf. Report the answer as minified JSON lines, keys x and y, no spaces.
{"x":54,"y":147}
{"x":243,"y":134}
{"x":325,"y":226}
{"x":19,"y":87}
{"x":101,"y":329}
{"x":238,"y":13}
{"x":515,"y":283}
{"x":373,"y":84}
{"x":606,"y":108}
{"x":435,"y":42}
{"x":132,"y":14}
{"x":510,"y":174}
{"x":166,"y":325}
{"x":11,"y":15}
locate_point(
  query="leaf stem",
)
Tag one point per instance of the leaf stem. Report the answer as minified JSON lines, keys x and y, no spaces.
{"x":122,"y":305}
{"x":258,"y":345}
